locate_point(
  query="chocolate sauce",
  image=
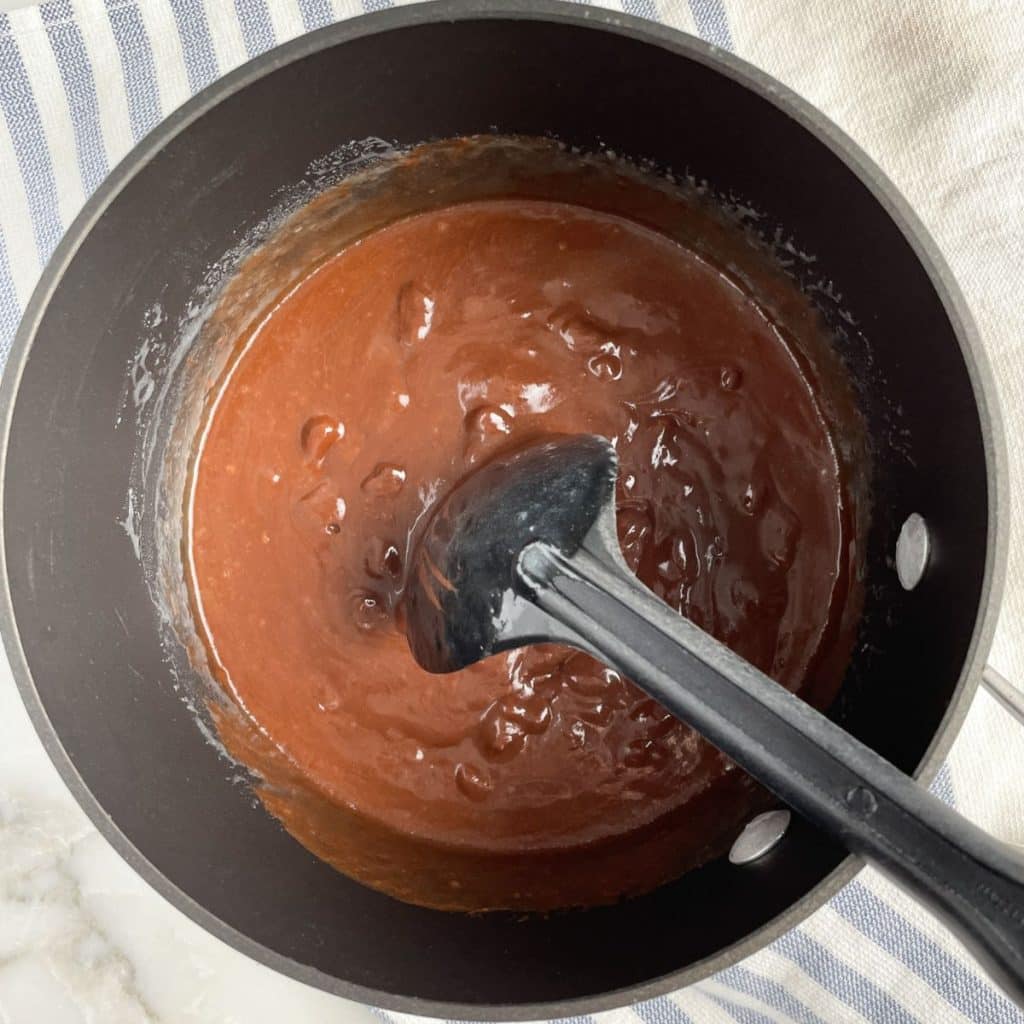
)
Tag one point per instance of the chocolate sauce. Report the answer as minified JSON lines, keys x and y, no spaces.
{"x":539,"y":778}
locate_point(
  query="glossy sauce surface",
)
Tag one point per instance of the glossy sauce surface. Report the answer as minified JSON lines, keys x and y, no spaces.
{"x":384,"y":377}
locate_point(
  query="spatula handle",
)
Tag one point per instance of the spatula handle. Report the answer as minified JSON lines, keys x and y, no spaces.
{"x":974,"y":882}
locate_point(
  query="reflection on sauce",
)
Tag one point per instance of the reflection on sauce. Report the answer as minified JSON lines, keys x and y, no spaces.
{"x":539,"y":778}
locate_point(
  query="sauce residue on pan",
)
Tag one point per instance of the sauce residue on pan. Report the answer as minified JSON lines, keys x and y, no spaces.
{"x":539,"y":778}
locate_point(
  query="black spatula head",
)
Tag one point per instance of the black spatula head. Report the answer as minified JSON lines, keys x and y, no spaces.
{"x":464,"y":598}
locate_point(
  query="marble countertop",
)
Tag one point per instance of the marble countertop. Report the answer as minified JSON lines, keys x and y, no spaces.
{"x":84,"y":940}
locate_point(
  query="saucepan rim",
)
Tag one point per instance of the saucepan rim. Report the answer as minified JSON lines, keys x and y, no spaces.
{"x":674,"y":41}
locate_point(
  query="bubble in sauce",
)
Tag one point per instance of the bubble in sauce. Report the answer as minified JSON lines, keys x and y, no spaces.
{"x":498,"y":736}
{"x":318,"y":435}
{"x":684,"y":554}
{"x":607,"y":364}
{"x":779,"y":532}
{"x":744,"y":594}
{"x":583,"y":676}
{"x":327,"y":697}
{"x":473,"y":781}
{"x":641,"y":753}
{"x":749,"y":499}
{"x":578,"y":331}
{"x":317,"y":508}
{"x":369,"y":611}
{"x":386,"y":480}
{"x":531,"y":713}
{"x":383,"y":559}
{"x":635,"y":527}
{"x":730,"y":378}
{"x":599,"y":714}
{"x":657,"y":722}
{"x":577,"y":735}
{"x":485,"y":425}
{"x":415,"y":313}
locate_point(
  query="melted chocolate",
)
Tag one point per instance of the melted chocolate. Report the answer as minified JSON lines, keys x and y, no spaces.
{"x":539,"y":778}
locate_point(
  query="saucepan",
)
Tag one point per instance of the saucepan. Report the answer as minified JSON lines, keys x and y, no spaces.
{"x":107,"y":329}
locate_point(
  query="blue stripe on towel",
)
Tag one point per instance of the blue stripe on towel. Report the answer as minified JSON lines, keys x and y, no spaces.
{"x":316,"y":13}
{"x":76,"y":76}
{"x":945,"y":973}
{"x":257,"y":28}
{"x":136,"y":53}
{"x":18,"y":104}
{"x":10,"y":309}
{"x":740,"y":1014}
{"x":770,"y":992}
{"x":196,"y":43}
{"x":843,"y":981}
{"x":712,"y":22}
{"x":661,"y":1011}
{"x":641,"y":8}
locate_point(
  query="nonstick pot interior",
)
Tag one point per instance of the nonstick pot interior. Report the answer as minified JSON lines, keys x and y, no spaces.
{"x":84,"y":635}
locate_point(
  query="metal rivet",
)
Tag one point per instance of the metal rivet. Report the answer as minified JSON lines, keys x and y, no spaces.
{"x":862,"y":801}
{"x":760,"y":835}
{"x":912,"y":549}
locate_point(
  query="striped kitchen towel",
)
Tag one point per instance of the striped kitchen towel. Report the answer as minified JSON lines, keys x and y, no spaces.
{"x":933,"y":89}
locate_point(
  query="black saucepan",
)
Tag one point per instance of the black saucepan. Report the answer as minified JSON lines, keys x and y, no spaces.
{"x":84,"y":636}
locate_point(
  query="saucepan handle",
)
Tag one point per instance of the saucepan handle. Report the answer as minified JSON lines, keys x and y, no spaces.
{"x":1005,"y":692}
